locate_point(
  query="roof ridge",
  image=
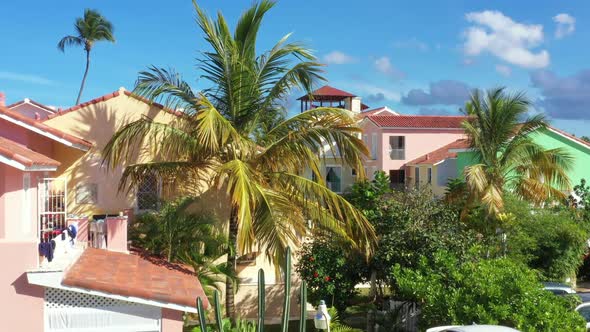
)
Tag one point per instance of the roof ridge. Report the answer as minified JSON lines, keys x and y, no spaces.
{"x":110,"y":96}
{"x":43,"y":127}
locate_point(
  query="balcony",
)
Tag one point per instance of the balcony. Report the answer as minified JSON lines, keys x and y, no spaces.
{"x":397,"y":154}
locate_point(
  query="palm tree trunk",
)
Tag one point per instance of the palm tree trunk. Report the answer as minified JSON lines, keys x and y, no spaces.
{"x":84,"y":78}
{"x":230,"y":306}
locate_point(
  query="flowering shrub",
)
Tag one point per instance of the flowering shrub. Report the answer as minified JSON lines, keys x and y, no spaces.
{"x":331,"y":271}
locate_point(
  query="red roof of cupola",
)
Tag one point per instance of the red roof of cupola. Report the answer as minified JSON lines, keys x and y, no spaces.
{"x":327,"y":93}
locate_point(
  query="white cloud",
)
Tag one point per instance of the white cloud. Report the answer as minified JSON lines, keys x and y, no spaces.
{"x":566,"y":24}
{"x":25,"y":78}
{"x":338,"y":58}
{"x":413,"y":44}
{"x":383,"y":65}
{"x":504,"y":70}
{"x":510,"y":41}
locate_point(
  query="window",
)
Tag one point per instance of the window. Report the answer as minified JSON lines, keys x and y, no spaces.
{"x":353,"y":172}
{"x":417,"y":175}
{"x":334,"y":178}
{"x":148,"y":193}
{"x":429,"y":175}
{"x":366,"y":141}
{"x":397,"y":146}
{"x":374,"y":146}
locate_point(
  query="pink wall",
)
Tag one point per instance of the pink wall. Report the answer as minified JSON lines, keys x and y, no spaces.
{"x":16,"y":205}
{"x":26,"y":137}
{"x":117,"y":234}
{"x":172,"y":320}
{"x":21,"y":305}
{"x":418,"y":143}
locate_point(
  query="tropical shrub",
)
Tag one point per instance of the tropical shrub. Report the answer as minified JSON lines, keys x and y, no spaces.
{"x":330,"y":270}
{"x":413,"y":224}
{"x":552,"y":242}
{"x":180,"y":236}
{"x":494,"y":291}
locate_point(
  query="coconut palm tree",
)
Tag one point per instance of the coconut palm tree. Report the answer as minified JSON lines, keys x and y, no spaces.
{"x":93,"y":27}
{"x":505,"y":155}
{"x":235,"y":137}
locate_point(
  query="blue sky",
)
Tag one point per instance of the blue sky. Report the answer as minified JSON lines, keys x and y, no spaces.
{"x":418,"y":57}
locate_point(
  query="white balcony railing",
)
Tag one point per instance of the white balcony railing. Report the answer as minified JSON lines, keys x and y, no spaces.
{"x":397,"y":154}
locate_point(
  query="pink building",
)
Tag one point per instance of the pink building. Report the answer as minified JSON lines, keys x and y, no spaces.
{"x":395,"y":140}
{"x":51,"y":280}
{"x":32,"y":109}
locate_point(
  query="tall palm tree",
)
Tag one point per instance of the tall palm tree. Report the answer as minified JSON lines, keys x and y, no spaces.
{"x":505,"y":155}
{"x":234,"y":136}
{"x":93,"y":27}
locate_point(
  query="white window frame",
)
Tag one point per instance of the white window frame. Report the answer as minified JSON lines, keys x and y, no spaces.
{"x":374,"y":146}
{"x":400,"y":153}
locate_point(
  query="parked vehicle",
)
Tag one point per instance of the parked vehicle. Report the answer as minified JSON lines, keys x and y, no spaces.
{"x":472,"y":328}
{"x":584,"y":308}
{"x":558,"y":288}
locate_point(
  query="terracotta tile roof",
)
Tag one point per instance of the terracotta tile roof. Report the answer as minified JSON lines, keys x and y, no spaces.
{"x":135,"y":275}
{"x":32,"y":102}
{"x":327,"y":91}
{"x":380,"y":110}
{"x":417,"y":121}
{"x":109,"y":96}
{"x":441,"y":154}
{"x":12,"y":150}
{"x":43,"y":127}
{"x":364,"y":107}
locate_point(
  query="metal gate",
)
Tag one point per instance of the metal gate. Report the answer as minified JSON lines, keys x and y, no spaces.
{"x":52,"y":209}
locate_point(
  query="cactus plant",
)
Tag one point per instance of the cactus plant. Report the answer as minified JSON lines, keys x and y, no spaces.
{"x":202,"y":321}
{"x":287,"y":298}
{"x":218,"y":320}
{"x":303,"y":303}
{"x":261,"y":300}
{"x":224,"y":325}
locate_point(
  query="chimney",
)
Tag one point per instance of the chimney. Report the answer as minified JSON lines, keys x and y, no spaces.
{"x":2,"y":99}
{"x":427,"y":156}
{"x":37,"y":116}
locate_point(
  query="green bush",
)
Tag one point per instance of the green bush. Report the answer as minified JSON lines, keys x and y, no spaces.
{"x":495,"y":291}
{"x":180,"y":236}
{"x":330,"y":270}
{"x":412,"y":224}
{"x":552,"y":242}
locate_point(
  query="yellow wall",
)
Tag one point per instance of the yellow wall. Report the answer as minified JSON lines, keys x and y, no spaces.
{"x":437,"y":190}
{"x":97,"y":123}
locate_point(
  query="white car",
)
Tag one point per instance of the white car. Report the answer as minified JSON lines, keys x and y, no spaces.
{"x":558,"y":288}
{"x":584,"y":308}
{"x":472,"y":328}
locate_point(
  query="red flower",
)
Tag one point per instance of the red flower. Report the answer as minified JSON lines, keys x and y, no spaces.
{"x":315,"y":274}
{"x":327,"y":278}
{"x":311,"y":259}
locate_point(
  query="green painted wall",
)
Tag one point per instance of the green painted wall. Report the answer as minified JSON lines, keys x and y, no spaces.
{"x":580,"y":153}
{"x":464,"y":159}
{"x":549,"y":140}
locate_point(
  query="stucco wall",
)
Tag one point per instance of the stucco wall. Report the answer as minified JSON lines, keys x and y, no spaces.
{"x":548,"y":140}
{"x":31,"y":111}
{"x":580,"y":154}
{"x":18,"y":210}
{"x":97,"y":123}
{"x":418,"y":142}
{"x":22,"y":303}
{"x":172,"y":320}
